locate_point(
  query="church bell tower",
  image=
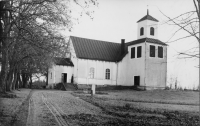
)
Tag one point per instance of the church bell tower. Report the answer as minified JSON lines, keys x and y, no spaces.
{"x":147,"y":27}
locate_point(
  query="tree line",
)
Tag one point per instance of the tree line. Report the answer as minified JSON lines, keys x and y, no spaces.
{"x":30,"y":38}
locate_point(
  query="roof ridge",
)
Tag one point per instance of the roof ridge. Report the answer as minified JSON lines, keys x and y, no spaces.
{"x":144,"y":38}
{"x":148,"y":17}
{"x":95,"y":40}
{"x":151,"y":40}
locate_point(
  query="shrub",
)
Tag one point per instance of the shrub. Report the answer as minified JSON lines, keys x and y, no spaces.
{"x":38,"y":85}
{"x":101,"y":93}
{"x":59,"y":86}
{"x":127,"y":106}
{"x":167,"y":88}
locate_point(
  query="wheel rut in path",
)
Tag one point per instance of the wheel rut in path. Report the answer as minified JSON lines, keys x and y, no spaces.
{"x":55,"y":110}
{"x":19,"y":118}
{"x":30,"y":118}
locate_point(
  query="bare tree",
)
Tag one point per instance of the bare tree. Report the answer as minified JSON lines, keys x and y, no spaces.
{"x":189,"y":22}
{"x":30,"y":36}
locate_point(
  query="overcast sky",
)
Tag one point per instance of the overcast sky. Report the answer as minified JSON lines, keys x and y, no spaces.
{"x":117,"y":19}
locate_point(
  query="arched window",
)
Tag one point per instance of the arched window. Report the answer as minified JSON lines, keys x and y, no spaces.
{"x":91,"y":72}
{"x":151,"y":31}
{"x":141,"y":31}
{"x":108,"y":74}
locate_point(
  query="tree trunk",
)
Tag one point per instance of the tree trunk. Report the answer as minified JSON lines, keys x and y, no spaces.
{"x":199,"y":50}
{"x":4,"y":34}
{"x":4,"y":70}
{"x":9,"y":81}
{"x":10,"y":76}
{"x":14,"y":82}
{"x":1,"y":32}
{"x":19,"y":81}
{"x":25,"y":78}
{"x":47,"y":77}
{"x":31,"y":82}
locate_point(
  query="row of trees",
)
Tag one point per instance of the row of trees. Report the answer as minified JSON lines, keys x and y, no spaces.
{"x":30,"y":38}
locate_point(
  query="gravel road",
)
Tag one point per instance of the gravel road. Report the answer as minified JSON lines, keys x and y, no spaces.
{"x":52,"y":108}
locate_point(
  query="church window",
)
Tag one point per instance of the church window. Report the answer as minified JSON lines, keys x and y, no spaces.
{"x":151,"y":31}
{"x":133,"y":52}
{"x":152,"y":51}
{"x":139,"y":51}
{"x":108,"y":74}
{"x":92,"y":72}
{"x":141,"y":31}
{"x":160,"y":52}
{"x":51,"y":75}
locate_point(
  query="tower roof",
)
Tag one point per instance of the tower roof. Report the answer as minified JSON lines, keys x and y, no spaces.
{"x":148,"y":17}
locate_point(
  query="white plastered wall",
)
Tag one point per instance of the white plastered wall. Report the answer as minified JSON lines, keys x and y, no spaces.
{"x":74,"y":60}
{"x":82,"y":70}
{"x":130,"y":67}
{"x":156,"y":68}
{"x":147,"y":24}
{"x":55,"y":74}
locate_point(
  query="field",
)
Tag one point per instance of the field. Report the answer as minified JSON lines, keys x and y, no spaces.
{"x":11,"y":104}
{"x":157,"y":99}
{"x":157,"y":107}
{"x":106,"y":108}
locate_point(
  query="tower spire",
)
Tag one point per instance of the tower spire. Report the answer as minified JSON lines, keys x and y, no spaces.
{"x":147,"y":10}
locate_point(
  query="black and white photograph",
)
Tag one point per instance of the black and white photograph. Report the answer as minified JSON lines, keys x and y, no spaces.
{"x":99,"y":63}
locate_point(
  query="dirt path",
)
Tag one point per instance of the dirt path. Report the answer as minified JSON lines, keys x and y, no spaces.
{"x":53,"y":108}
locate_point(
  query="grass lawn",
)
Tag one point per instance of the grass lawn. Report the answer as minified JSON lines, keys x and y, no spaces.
{"x":156,"y":107}
{"x":169,"y":100}
{"x":154,"y":96}
{"x":9,"y":106}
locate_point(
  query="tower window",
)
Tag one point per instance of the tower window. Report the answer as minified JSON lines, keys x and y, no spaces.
{"x":151,"y":31}
{"x":152,"y":51}
{"x":107,"y":74}
{"x":133,"y":52}
{"x":141,"y":31}
{"x":160,"y":52}
{"x":139,"y":51}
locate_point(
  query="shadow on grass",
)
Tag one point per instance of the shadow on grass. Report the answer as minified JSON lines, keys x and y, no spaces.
{"x":129,"y":115}
{"x":8,"y":95}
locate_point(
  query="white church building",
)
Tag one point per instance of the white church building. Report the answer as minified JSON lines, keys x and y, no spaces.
{"x":142,"y":62}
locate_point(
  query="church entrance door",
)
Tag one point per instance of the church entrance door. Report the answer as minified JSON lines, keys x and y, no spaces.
{"x":64,"y":77}
{"x":136,"y":80}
